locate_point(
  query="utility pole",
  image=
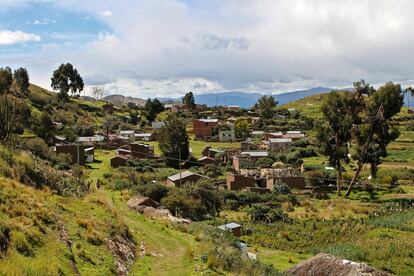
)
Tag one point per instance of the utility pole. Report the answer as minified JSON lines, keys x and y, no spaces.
{"x":77,"y":147}
{"x":179,"y":161}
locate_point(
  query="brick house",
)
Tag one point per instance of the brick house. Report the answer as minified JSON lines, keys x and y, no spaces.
{"x":119,"y":160}
{"x":280,"y":144}
{"x":236,"y":182}
{"x":141,"y":150}
{"x":182,"y":178}
{"x":205,"y":128}
{"x":144,"y":137}
{"x":205,"y":160}
{"x":247,"y":159}
{"x":72,"y":150}
{"x":294,"y":182}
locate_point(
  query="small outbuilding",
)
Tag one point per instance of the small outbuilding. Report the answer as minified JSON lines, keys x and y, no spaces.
{"x":234,"y":228}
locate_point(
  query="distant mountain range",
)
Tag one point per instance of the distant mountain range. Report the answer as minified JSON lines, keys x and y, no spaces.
{"x":242,"y":99}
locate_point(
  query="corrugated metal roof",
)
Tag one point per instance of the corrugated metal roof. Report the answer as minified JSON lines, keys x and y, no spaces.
{"x":184,"y":174}
{"x":208,"y":120}
{"x":280,"y":140}
{"x":230,"y":225}
{"x":255,"y":153}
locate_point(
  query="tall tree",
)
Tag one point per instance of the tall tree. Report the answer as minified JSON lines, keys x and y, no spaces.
{"x":153,"y":108}
{"x":174,"y":141}
{"x":6,"y":79}
{"x":374,"y":131}
{"x":65,"y":79}
{"x":21,"y":77}
{"x":265,"y":105}
{"x":7,"y":110}
{"x":335,"y":133}
{"x":189,"y":101}
{"x":7,"y":117}
{"x":98,"y":92}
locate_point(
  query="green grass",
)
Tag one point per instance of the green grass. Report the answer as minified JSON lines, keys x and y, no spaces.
{"x":197,"y":146}
{"x":281,"y":260}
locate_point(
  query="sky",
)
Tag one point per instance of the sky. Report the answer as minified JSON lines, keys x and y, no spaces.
{"x":165,"y":48}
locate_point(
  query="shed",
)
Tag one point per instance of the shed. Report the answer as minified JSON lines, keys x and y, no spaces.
{"x":233,"y":227}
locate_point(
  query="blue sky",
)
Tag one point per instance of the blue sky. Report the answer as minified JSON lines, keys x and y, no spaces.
{"x":167,"y":47}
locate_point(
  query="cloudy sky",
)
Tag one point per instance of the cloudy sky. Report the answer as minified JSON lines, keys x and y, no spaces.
{"x":164,"y":48}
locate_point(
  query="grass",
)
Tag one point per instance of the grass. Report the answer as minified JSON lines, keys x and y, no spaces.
{"x":197,"y":146}
{"x":281,"y":260}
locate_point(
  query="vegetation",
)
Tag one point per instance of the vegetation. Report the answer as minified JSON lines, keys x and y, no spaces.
{"x":66,"y":78}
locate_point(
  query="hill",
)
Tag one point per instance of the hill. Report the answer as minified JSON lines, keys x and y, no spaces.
{"x":242,"y":99}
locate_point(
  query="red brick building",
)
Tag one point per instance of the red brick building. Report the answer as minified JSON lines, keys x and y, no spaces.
{"x":205,"y":128}
{"x":142,"y":150}
{"x":236,"y":182}
{"x":119,"y":160}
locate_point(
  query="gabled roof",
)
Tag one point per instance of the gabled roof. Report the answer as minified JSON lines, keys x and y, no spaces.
{"x":143,"y":134}
{"x":280,"y":140}
{"x":229,"y":226}
{"x":208,"y":120}
{"x":126,"y":132}
{"x":255,"y":153}
{"x":183,"y":175}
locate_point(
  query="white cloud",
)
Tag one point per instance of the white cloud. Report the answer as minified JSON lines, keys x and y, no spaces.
{"x":106,"y":13}
{"x":13,"y":37}
{"x":164,"y":47}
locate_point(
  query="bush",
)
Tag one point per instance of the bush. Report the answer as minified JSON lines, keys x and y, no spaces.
{"x":282,"y":187}
{"x":263,"y":213}
{"x":264,"y":162}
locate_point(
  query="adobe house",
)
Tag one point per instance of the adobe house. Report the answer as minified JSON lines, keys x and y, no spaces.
{"x":205,"y":128}
{"x":141,"y":150}
{"x":119,"y":160}
{"x":234,"y":228}
{"x":237,"y":182}
{"x":294,"y":182}
{"x":257,"y":134}
{"x":127,"y":135}
{"x":144,"y":137}
{"x":226,"y":132}
{"x":273,"y":135}
{"x":205,"y":160}
{"x":247,"y":145}
{"x":280,"y":144}
{"x":84,"y":152}
{"x":108,"y":108}
{"x":247,"y":159}
{"x":210,"y":152}
{"x":182,"y":178}
{"x":294,"y":135}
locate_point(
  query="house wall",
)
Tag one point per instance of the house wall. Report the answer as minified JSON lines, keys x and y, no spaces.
{"x":141,"y":151}
{"x":237,"y":182}
{"x":72,"y":150}
{"x":118,"y":161}
{"x":295,"y":182}
{"x":226,"y":135}
{"x":280,"y":146}
{"x":203,"y":130}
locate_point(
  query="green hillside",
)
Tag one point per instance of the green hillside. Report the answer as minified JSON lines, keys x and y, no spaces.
{"x":62,"y":219}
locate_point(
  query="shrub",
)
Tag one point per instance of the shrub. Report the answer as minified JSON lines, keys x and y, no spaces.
{"x":282,"y":187}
